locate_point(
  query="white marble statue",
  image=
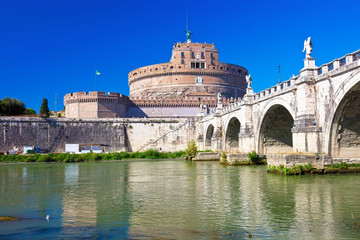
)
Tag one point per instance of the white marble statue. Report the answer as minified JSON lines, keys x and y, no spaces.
{"x":308,"y":47}
{"x":219,"y":98}
{"x":248,"y":80}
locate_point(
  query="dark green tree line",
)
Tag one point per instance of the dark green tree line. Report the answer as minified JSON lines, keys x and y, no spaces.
{"x":13,"y":106}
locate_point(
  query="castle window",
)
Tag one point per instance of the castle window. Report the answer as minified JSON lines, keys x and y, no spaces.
{"x":212,"y":62}
{"x":192,"y":54}
{"x":198,"y":65}
{"x":239,"y":71}
{"x":202,"y":55}
{"x":212,"y":55}
{"x":182,"y":61}
{"x":182,"y":55}
{"x":171,"y":67}
{"x":221,"y":68}
{"x":134,"y":74}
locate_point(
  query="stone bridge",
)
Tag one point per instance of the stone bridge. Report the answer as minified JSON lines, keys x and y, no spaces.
{"x":317,"y":111}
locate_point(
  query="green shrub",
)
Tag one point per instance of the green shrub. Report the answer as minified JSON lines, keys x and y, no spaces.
{"x":223,"y":158}
{"x":254,"y":157}
{"x":308,"y":166}
{"x":191,"y":150}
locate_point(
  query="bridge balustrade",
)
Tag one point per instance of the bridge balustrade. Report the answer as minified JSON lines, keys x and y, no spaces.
{"x":340,"y":62}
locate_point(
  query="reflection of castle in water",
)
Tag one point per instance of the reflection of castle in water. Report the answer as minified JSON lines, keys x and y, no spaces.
{"x":79,"y":205}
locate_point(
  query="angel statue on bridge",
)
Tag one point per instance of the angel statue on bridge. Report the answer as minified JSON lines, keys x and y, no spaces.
{"x":308,"y":47}
{"x":219,"y":98}
{"x":248,"y":80}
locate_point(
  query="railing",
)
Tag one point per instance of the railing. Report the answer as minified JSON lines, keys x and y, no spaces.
{"x":340,"y":62}
{"x":284,"y":86}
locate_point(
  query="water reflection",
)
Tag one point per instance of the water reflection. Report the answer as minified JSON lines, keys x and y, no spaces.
{"x":175,"y":199}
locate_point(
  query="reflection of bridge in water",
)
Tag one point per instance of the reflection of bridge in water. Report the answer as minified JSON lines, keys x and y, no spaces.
{"x":317,"y":111}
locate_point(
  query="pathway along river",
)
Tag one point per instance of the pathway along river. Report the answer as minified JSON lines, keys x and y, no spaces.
{"x":174,"y":200}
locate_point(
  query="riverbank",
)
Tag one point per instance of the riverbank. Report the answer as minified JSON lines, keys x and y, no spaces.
{"x":341,"y":168}
{"x":67,"y":157}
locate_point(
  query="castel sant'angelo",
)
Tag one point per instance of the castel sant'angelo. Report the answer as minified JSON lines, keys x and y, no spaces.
{"x":191,"y":83}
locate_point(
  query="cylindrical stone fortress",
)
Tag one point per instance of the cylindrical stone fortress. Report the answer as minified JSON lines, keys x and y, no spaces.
{"x":194,"y":70}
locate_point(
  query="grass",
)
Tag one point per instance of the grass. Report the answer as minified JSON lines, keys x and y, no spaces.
{"x":296,"y":170}
{"x":309,"y":169}
{"x":343,"y":165}
{"x":67,"y":157}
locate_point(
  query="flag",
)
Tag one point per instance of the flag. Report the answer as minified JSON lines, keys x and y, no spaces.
{"x":97,"y":73}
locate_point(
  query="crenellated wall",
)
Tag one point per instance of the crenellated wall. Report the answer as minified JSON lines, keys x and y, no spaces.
{"x":95,"y":105}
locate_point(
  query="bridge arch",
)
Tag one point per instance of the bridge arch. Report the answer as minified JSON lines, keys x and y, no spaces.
{"x":232,"y":134}
{"x":208,"y":136}
{"x":275,"y":134}
{"x":343,"y":121}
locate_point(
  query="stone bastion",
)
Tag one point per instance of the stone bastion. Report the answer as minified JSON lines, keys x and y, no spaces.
{"x":95,"y":105}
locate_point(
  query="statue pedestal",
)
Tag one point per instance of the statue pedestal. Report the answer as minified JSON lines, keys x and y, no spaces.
{"x":249,"y":91}
{"x":309,"y":67}
{"x":309,"y":62}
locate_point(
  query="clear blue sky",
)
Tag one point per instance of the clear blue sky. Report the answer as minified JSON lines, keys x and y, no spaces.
{"x":53,"y":46}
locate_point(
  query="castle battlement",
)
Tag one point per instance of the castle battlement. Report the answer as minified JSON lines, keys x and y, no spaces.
{"x":94,"y":97}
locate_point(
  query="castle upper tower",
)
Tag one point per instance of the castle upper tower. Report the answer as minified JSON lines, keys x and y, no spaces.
{"x":194,"y":70}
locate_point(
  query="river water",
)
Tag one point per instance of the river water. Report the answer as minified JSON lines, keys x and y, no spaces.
{"x":174,"y":200}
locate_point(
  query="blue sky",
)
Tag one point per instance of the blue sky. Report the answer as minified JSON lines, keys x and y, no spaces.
{"x":54,"y":46}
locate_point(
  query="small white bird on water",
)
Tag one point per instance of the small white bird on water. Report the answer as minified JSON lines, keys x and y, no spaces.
{"x":47,"y":217}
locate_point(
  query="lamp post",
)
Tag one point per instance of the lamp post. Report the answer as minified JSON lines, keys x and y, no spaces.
{"x":279,"y":74}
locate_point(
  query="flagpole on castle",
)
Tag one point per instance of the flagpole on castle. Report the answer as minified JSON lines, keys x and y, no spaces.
{"x":97,"y":73}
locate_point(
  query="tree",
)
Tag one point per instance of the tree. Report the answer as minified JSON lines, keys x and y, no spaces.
{"x":44,"y":110}
{"x":30,"y":111}
{"x":11,"y":107}
{"x":191,"y":150}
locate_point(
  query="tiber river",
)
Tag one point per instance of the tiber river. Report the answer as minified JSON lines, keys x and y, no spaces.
{"x":174,"y":200}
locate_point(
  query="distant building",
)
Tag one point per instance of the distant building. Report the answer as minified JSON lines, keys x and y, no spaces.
{"x":183,"y":87}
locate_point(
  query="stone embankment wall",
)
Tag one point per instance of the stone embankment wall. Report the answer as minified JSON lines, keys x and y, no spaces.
{"x":207,"y":156}
{"x":52,"y":135}
{"x":164,"y":134}
{"x":113,"y":134}
{"x":289,"y":160}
